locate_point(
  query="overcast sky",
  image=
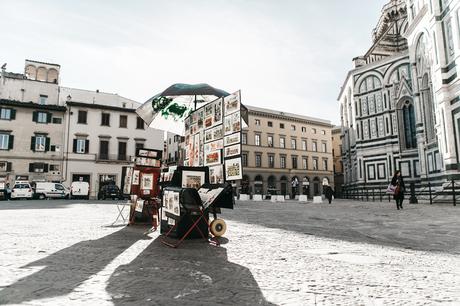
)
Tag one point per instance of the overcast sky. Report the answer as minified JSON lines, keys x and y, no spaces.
{"x":290,"y":55}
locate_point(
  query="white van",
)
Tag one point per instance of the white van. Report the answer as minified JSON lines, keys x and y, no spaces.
{"x":45,"y":190}
{"x":79,"y":190}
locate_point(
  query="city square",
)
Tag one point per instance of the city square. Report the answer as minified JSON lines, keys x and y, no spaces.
{"x":344,"y":253}
{"x":213,"y":152}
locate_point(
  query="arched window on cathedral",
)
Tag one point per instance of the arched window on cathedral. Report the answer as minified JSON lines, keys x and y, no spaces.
{"x":426,"y":93}
{"x":408,"y":122}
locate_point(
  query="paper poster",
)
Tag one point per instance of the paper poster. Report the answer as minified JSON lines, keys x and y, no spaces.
{"x":147,"y":181}
{"x":232,"y":150}
{"x":233,"y":169}
{"x":213,"y":158}
{"x":139,"y":205}
{"x":232,"y":123}
{"x":232,"y":139}
{"x":192,"y":179}
{"x":136,"y":174}
{"x":216,"y":174}
{"x":213,"y":146}
{"x":232,"y":103}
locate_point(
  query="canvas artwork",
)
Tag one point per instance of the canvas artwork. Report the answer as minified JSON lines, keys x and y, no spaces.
{"x":212,"y":134}
{"x":212,"y":158}
{"x":128,"y":179}
{"x":187,"y":125}
{"x":232,"y":139}
{"x":232,"y":150}
{"x":139,"y":205}
{"x":233,"y":169}
{"x":200,"y":118}
{"x":147,"y":181}
{"x":218,"y":112}
{"x":213,"y":146}
{"x":136,"y":174}
{"x":194,"y":118}
{"x":216,"y":174}
{"x":176,"y":204}
{"x":192,"y":179}
{"x":196,"y":150}
{"x":232,"y":103}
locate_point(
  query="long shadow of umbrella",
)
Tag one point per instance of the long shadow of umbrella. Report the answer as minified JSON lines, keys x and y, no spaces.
{"x":194,"y":274}
{"x":68,"y":268}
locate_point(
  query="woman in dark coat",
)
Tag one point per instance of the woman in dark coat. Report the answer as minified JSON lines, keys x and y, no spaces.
{"x":328,"y":192}
{"x":398,"y":182}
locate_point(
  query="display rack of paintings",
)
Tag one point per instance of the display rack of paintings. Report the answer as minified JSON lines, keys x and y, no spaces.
{"x":213,"y":138}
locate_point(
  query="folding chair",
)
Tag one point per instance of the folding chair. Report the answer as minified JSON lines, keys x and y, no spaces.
{"x":192,"y":206}
{"x":121,"y":212}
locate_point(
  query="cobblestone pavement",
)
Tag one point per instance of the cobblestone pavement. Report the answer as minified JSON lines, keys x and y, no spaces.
{"x":347,"y":253}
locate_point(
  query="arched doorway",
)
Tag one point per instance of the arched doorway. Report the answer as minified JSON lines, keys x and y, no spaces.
{"x":316,"y":190}
{"x":245,"y":185}
{"x":305,"y":186}
{"x":258,"y":185}
{"x":271,"y":183}
{"x":284,"y":182}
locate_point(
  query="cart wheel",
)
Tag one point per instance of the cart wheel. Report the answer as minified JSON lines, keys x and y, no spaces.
{"x":218,"y":227}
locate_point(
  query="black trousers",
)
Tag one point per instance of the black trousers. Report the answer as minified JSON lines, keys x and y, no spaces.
{"x":399,"y":201}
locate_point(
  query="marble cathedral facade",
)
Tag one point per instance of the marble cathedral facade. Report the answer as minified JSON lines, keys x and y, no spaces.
{"x":400,"y":105}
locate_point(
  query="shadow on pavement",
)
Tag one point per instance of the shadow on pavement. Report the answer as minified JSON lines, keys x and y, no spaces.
{"x":68,"y":268}
{"x":196,"y":273}
{"x":47,"y":204}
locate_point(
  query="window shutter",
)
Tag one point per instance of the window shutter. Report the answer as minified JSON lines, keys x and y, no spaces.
{"x":10,"y":142}
{"x":86,"y":146}
{"x":13,"y":114}
{"x":9,"y":166}
{"x":32,"y":143}
{"x":74,"y":146}
{"x":35,"y":116}
{"x":47,"y":144}
{"x":31,"y":167}
{"x":49,"y":117}
{"x":45,"y":167}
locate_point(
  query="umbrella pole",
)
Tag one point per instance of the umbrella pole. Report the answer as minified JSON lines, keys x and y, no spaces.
{"x":195,"y":102}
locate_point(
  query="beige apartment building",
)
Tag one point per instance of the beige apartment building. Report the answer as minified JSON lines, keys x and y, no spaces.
{"x":283,"y":150}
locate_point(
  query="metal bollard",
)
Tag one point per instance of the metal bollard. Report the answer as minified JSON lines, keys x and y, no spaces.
{"x":429,"y":190}
{"x":413,"y":198}
{"x":453,"y":193}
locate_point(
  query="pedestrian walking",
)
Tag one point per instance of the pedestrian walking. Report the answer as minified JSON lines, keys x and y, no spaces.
{"x":328,"y":192}
{"x":398,"y":182}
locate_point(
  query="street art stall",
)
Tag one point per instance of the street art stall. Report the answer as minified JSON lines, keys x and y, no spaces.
{"x":211,"y":162}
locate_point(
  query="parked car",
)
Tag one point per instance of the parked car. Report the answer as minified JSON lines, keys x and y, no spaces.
{"x":79,"y":190}
{"x":109,"y":191}
{"x":51,"y":190}
{"x":22,"y":190}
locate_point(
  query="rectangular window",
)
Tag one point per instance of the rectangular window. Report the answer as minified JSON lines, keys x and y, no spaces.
{"x":139,"y":145}
{"x":4,"y":140}
{"x":449,"y":38}
{"x":57,"y":120}
{"x":270,"y":124}
{"x":5,"y":113}
{"x":325,"y":164}
{"x":304,"y":129}
{"x":292,"y":127}
{"x":42,"y":117}
{"x":271,"y":161}
{"x":105,"y":119}
{"x":283,"y":162}
{"x":122,"y":150}
{"x":282,"y":142}
{"x":81,"y":146}
{"x":140,"y":123}
{"x":54,"y":167}
{"x":315,"y":164}
{"x":104,"y":149}
{"x":293,"y":144}
{"x":244,"y":139}
{"x":123,"y":121}
{"x":304,"y":163}
{"x":39,"y":167}
{"x":40,"y":143}
{"x":313,"y":130}
{"x":244,"y":159}
{"x":314,"y":147}
{"x":324,"y":147}
{"x":43,"y":99}
{"x":270,"y":141}
{"x":323,"y":132}
{"x":258,"y":160}
{"x":82,"y":116}
{"x":257,"y":122}
{"x":257,"y":139}
{"x":304,"y":145}
{"x":294,"y":162}
{"x":281,"y":125}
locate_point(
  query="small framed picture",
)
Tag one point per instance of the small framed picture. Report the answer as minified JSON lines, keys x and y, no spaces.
{"x":232,"y":150}
{"x":212,"y":158}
